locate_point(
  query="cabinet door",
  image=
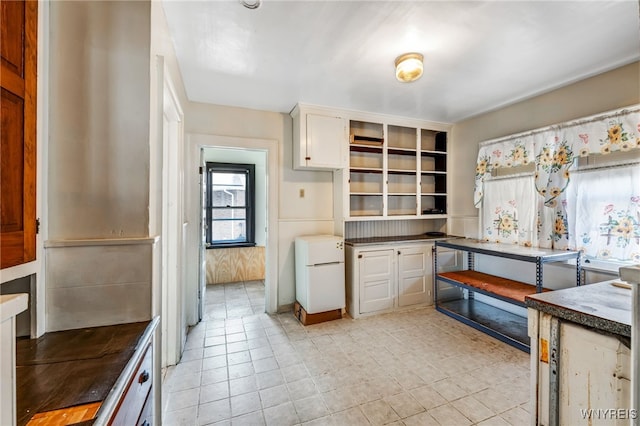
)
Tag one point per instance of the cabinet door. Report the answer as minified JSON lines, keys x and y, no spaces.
{"x":377,"y":280}
{"x":594,"y":371}
{"x":414,"y":275}
{"x":327,"y":141}
{"x":18,"y":25}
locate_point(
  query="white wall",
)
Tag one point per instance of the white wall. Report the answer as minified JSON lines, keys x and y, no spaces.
{"x":296,"y":216}
{"x":162,"y":63}
{"x":98,"y":183}
{"x":98,"y":158}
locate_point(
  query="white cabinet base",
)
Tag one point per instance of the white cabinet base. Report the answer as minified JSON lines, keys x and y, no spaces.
{"x":388,"y":277}
{"x":10,"y":306}
{"x":593,"y":384}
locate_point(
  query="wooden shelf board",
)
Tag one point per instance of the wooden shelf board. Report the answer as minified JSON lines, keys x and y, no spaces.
{"x":402,"y":171}
{"x":375,"y":149}
{"x":66,"y":416}
{"x":365,"y":140}
{"x":365,"y":170}
{"x":401,"y":151}
{"x":502,"y":288}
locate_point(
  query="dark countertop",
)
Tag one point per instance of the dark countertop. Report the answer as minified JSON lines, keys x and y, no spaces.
{"x":601,"y":306}
{"x":68,"y":368}
{"x":396,"y":239}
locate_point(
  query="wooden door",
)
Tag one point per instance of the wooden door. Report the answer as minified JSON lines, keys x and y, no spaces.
{"x":18,"y":51}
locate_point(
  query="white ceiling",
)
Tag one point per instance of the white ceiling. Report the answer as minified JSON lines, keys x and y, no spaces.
{"x":479,"y":55}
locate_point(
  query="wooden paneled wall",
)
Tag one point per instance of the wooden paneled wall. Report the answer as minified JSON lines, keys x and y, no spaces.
{"x":235,"y":264}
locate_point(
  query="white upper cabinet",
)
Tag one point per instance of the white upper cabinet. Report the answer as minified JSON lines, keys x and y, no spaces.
{"x":320,"y":139}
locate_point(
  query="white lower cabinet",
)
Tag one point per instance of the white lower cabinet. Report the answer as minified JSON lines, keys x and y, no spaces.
{"x":376,"y":270}
{"x":386,"y":277}
{"x":414,"y":275}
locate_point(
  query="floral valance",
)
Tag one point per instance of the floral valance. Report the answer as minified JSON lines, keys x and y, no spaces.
{"x":554,"y":149}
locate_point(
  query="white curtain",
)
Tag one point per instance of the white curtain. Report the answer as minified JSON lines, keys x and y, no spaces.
{"x":554,"y":149}
{"x":512,"y":212}
{"x":603,"y":209}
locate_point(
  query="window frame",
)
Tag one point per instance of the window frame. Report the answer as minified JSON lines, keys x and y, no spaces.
{"x":249,"y":207}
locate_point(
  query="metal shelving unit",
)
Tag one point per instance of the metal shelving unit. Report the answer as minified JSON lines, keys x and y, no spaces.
{"x":501,"y":324}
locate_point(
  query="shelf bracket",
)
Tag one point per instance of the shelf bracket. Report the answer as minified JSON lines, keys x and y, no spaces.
{"x":538,"y":275}
{"x":579,"y":273}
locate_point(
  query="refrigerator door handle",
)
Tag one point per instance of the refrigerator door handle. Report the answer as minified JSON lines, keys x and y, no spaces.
{"x":328,"y":263}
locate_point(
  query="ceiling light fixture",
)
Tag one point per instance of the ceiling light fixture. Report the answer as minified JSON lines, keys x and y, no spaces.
{"x":251,"y":4}
{"x":409,"y":67}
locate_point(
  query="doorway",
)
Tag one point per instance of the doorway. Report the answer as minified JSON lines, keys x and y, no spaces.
{"x":235,"y":275}
{"x":195,"y":262}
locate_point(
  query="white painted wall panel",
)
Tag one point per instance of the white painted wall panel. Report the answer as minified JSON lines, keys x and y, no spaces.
{"x":98,"y":283}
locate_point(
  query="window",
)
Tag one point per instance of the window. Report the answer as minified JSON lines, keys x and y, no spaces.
{"x":602,"y":212}
{"x":603,"y":207}
{"x":586,"y":172}
{"x":230,"y":199}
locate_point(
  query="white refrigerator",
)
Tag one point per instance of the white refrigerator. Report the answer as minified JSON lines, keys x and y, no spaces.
{"x":319,"y":264}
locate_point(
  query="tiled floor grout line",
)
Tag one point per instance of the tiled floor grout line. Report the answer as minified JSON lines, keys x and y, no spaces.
{"x":408,"y":368}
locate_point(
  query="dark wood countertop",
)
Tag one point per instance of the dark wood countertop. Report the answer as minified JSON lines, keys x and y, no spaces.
{"x":601,"y":306}
{"x":68,"y":368}
{"x":396,"y":239}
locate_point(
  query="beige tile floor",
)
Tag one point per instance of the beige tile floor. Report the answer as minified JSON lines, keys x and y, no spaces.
{"x":417,"y":367}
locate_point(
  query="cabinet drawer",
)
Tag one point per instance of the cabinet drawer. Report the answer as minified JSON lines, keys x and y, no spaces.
{"x":133,"y":400}
{"x":146,"y":417}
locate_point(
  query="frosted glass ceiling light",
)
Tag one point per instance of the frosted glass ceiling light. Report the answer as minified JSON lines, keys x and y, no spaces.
{"x":409,"y":67}
{"x":251,"y":4}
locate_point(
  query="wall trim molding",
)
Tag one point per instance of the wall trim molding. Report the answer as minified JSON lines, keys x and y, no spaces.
{"x":89,"y":242}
